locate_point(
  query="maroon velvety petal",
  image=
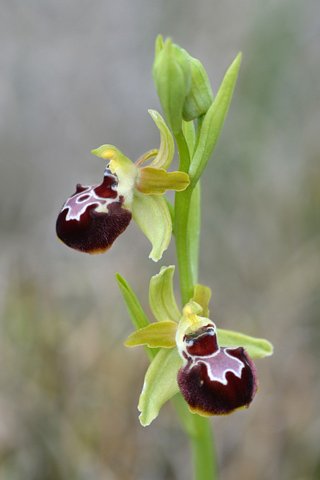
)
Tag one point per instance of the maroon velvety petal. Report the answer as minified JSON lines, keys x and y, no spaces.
{"x":94,"y":232}
{"x":211,"y":397}
{"x":93,"y":217}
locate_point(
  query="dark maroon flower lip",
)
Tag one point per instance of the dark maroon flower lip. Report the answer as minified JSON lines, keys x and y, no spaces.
{"x":93,"y":217}
{"x":215,"y":380}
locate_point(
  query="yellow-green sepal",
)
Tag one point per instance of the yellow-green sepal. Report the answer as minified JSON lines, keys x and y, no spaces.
{"x":256,"y":347}
{"x":151,"y":214}
{"x":161,"y":296}
{"x":165,"y":153}
{"x":160,"y":384}
{"x":156,"y":181}
{"x":160,"y":334}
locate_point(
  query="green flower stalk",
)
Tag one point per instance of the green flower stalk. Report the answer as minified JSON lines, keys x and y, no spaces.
{"x":204,"y":369}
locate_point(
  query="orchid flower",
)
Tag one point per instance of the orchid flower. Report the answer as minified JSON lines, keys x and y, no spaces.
{"x":213,"y":379}
{"x":95,"y":215}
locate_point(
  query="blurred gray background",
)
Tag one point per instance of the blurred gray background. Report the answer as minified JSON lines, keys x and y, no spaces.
{"x":75,"y":75}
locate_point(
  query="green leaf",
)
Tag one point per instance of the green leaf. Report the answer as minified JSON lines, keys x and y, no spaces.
{"x":161,"y":334}
{"x":156,"y":181}
{"x":202,"y":296}
{"x":151,"y":214}
{"x":166,"y":151}
{"x":136,"y":313}
{"x":161,"y":297}
{"x":160,"y":384}
{"x":213,"y":122}
{"x":256,"y":347}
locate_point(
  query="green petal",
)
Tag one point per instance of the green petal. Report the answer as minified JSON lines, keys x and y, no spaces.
{"x":151,"y":214}
{"x":161,"y":334}
{"x":202,"y":296}
{"x":156,"y":181}
{"x":256,"y":347}
{"x":136,"y":313}
{"x":213,"y":122}
{"x":161,"y":297}
{"x":160,"y":384}
{"x":166,"y":151}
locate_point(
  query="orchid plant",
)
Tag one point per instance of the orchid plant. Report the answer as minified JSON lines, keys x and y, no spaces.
{"x":203,"y":369}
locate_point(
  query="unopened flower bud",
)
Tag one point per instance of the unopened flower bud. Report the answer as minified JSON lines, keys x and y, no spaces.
{"x":200,"y":95}
{"x":172,"y":77}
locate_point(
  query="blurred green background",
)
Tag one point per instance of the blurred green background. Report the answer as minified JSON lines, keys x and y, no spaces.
{"x":77,"y":74}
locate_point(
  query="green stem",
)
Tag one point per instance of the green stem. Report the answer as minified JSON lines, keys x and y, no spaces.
{"x":200,"y":435}
{"x":204,"y":459}
{"x":194,"y":227}
{"x":187,"y":231}
{"x":182,"y":207}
